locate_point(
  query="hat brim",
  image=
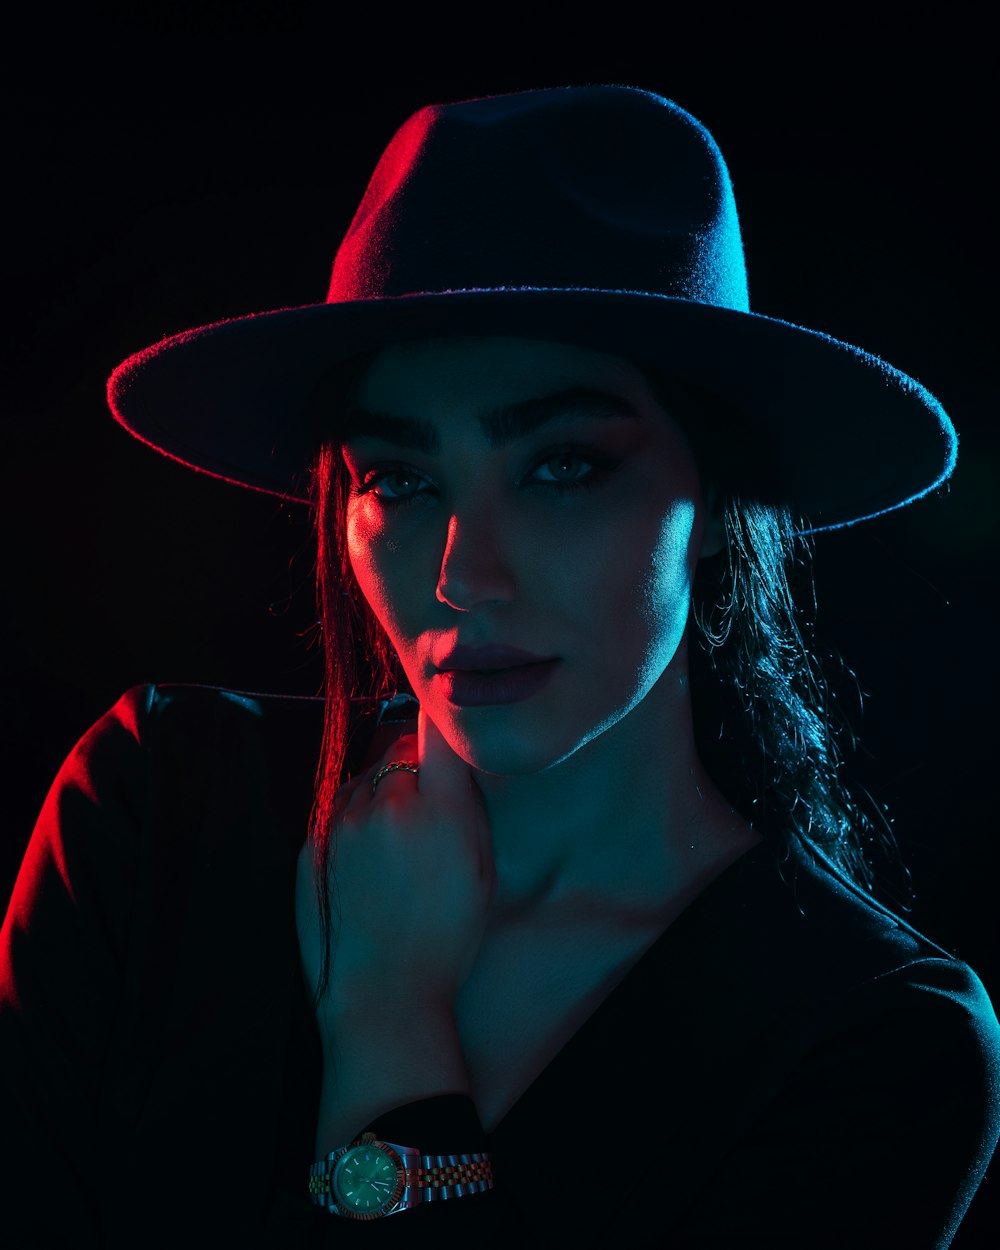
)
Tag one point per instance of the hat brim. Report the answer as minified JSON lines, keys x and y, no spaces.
{"x":847,"y":436}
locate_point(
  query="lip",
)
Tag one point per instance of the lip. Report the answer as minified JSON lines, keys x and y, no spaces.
{"x":505,"y":685}
{"x":478,"y":659}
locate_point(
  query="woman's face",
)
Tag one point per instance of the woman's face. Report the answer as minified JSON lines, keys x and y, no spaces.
{"x":553,"y":506}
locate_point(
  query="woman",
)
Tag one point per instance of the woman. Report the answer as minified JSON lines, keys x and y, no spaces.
{"x":581,"y":943}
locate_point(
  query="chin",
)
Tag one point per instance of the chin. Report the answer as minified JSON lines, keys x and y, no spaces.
{"x":508,"y":746}
{"x":492,"y":741}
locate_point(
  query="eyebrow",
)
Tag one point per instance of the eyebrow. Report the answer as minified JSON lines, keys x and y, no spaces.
{"x":501,"y":425}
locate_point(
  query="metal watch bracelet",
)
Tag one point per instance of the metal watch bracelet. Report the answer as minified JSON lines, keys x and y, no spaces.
{"x":418,"y":1178}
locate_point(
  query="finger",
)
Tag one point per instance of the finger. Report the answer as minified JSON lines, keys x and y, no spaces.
{"x":403,"y":750}
{"x":358,"y":789}
{"x":385,"y":737}
{"x":403,"y":747}
{"x":441,"y":770}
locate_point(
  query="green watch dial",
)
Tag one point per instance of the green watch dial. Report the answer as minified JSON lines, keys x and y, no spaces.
{"x":365,"y":1180}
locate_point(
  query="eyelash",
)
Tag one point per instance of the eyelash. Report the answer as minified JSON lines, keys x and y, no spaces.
{"x":602,"y":467}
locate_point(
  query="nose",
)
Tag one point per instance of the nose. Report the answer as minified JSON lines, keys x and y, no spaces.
{"x":473,"y":569}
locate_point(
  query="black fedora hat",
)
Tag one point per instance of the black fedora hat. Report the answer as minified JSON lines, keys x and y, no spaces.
{"x":599,"y":216}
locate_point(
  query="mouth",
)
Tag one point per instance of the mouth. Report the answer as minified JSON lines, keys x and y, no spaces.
{"x":485,"y":687}
{"x":509,"y":668}
{"x":490,"y":658}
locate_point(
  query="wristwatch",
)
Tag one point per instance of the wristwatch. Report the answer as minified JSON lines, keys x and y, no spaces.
{"x":370,"y":1178}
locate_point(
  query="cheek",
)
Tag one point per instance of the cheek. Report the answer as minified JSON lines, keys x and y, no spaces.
{"x":371,"y":555}
{"x":673,"y":557}
{"x":652,"y":568}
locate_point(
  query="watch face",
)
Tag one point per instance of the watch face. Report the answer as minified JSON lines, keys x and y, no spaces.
{"x":367,"y":1182}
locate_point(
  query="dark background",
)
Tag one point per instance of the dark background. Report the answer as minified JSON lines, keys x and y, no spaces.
{"x":172,"y":170}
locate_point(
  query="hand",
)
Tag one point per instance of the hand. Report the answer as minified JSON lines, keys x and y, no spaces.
{"x":412,"y":879}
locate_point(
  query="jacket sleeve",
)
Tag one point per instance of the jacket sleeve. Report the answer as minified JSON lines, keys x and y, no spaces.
{"x":880,"y":1136}
{"x":66,"y":964}
{"x":63,"y":947}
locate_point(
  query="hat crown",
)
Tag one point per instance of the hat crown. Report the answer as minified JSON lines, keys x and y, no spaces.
{"x":601,"y":188}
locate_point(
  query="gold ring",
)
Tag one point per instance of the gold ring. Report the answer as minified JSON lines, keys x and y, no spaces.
{"x":391,"y":768}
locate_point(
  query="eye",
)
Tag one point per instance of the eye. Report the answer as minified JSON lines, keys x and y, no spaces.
{"x":564,"y":468}
{"x":572,"y":467}
{"x":401,"y":483}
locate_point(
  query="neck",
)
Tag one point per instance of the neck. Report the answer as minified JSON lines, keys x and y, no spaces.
{"x":630,"y":821}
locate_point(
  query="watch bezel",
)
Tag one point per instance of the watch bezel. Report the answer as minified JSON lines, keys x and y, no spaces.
{"x":390,"y":1202}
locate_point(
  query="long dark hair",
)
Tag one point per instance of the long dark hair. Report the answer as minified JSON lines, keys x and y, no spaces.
{"x":768,"y":703}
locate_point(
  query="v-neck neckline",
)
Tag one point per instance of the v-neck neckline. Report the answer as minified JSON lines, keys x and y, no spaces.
{"x":305,"y":1047}
{"x":716,"y":896}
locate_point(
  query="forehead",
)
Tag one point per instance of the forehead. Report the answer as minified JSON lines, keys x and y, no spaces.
{"x":456,"y":378}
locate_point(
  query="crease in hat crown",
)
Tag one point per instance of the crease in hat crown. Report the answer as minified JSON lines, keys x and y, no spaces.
{"x":567,"y":188}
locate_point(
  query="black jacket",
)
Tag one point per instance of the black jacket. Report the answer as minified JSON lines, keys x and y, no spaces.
{"x":789,"y":1064}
